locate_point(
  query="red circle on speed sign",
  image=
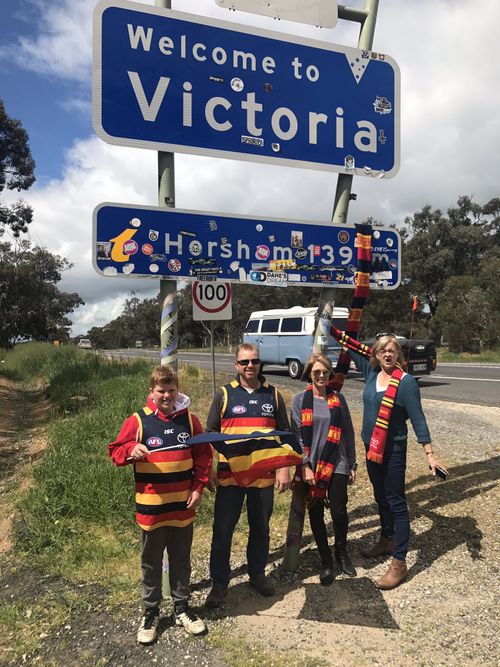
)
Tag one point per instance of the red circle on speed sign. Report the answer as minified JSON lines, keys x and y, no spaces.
{"x":219,"y":303}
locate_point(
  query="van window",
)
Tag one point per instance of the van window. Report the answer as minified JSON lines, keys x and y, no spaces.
{"x":270,"y":326}
{"x":252,"y":326}
{"x":291,"y":325}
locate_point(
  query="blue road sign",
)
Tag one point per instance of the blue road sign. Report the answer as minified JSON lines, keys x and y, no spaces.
{"x":152,"y":242}
{"x":167,"y":80}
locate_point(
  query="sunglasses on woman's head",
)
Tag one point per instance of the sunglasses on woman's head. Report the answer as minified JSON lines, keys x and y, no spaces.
{"x":246,"y":362}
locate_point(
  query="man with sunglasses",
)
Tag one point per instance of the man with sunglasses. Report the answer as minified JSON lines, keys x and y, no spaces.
{"x":245,"y":405}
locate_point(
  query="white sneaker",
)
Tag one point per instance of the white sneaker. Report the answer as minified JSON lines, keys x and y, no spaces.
{"x":149,"y":626}
{"x":190,"y":622}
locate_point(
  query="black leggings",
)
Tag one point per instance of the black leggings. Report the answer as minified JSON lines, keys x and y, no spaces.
{"x":337,"y":497}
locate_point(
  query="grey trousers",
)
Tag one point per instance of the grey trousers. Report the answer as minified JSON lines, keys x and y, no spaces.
{"x":178,"y":544}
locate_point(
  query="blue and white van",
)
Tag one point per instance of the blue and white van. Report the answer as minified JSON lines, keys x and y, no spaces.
{"x":285,"y":336}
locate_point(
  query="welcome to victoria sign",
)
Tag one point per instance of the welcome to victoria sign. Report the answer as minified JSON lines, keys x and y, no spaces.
{"x":171,"y":81}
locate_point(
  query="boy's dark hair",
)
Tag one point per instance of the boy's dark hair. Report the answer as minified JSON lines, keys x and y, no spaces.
{"x":163,"y":375}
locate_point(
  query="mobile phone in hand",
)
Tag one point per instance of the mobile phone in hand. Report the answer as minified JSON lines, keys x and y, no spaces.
{"x":442,"y":474}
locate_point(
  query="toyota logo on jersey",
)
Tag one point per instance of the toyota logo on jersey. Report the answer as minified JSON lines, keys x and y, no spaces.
{"x":267,"y":408}
{"x":154,"y":442}
{"x":183,"y":437}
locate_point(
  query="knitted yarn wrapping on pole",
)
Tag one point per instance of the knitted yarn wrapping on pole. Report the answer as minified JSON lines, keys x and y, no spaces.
{"x":362,"y":279}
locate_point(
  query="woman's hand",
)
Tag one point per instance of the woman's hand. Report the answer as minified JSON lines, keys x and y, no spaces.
{"x":352,"y":477}
{"x":433,"y":463}
{"x":308,"y":475}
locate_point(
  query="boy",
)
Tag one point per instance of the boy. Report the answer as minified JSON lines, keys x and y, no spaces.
{"x":169,"y":481}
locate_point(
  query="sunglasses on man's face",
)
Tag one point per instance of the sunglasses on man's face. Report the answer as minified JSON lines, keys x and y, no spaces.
{"x":246,"y":362}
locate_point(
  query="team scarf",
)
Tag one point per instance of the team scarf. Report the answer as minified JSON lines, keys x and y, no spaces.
{"x":251,"y":456}
{"x":362,"y":287}
{"x":327,"y":459}
{"x":378,"y":439}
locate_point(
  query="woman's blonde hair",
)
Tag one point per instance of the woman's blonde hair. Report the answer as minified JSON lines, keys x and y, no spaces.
{"x":380,"y":344}
{"x":312,"y":359}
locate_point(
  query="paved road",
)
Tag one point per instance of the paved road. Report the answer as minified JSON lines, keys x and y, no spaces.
{"x":477,"y":384}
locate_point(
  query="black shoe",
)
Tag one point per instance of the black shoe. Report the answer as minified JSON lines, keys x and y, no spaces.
{"x":345,"y":564}
{"x":216,"y":597}
{"x":326,"y":576}
{"x":263,"y":585}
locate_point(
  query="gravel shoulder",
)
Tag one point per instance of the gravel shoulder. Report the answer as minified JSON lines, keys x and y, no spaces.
{"x":445,"y":613}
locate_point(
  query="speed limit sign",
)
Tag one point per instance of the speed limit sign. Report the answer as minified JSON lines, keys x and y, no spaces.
{"x":212,"y":300}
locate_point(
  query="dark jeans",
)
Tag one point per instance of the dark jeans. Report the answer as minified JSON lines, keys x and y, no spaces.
{"x":337,"y":497}
{"x":228,"y":506}
{"x":388,"y":481}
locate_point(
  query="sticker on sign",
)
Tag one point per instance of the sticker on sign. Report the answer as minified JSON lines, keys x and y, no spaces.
{"x":322,"y":13}
{"x":211,"y":301}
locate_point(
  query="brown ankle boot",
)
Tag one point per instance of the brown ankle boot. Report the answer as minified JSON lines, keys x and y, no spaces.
{"x":395,"y":574}
{"x":384,"y":547}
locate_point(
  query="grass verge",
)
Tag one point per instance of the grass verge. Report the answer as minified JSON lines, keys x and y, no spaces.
{"x":75,"y":520}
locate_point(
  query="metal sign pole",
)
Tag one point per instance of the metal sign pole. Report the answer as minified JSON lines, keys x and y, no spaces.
{"x":168,"y":288}
{"x":212,"y":350}
{"x":367,"y":18}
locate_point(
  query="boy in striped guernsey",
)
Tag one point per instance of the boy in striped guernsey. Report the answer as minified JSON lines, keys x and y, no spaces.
{"x":169,"y":480}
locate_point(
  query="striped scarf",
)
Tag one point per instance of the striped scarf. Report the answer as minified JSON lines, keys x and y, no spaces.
{"x":362,"y":282}
{"x":330,"y":451}
{"x":379,"y":436}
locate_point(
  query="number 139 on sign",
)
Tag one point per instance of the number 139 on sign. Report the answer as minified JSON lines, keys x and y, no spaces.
{"x":212,"y":300}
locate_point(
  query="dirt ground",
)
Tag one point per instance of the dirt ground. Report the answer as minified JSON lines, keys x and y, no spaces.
{"x":445,"y":613}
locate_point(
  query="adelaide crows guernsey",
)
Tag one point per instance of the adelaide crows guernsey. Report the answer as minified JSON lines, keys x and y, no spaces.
{"x":244,"y":412}
{"x":163,"y":480}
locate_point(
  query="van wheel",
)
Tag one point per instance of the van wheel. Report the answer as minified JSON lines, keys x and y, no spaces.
{"x":295,"y":368}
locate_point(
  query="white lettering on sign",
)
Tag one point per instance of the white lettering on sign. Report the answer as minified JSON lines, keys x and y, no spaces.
{"x":219,"y":113}
{"x":284,"y":121}
{"x":239,"y":59}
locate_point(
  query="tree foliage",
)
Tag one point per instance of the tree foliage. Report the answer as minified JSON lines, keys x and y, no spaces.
{"x":32,"y":306}
{"x":16,"y":173}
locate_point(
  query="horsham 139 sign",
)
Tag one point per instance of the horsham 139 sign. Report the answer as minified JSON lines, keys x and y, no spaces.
{"x":167,"y":80}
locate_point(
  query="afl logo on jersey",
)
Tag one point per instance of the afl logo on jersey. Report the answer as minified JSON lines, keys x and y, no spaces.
{"x":239,"y":410}
{"x":154,"y":442}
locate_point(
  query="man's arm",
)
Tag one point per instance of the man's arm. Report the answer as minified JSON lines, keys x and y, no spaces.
{"x":213,"y":419}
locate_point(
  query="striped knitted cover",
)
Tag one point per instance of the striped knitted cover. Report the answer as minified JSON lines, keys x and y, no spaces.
{"x":364,"y":263}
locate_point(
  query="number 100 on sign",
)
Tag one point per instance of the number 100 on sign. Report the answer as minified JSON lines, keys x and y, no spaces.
{"x":212,"y":301}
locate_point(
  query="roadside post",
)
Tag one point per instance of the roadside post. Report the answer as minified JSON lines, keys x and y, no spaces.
{"x":212,"y":301}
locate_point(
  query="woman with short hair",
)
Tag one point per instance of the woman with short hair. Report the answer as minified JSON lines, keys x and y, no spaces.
{"x":390,"y":398}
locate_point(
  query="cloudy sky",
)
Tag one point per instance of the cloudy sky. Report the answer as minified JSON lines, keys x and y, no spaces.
{"x":450,"y":131}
